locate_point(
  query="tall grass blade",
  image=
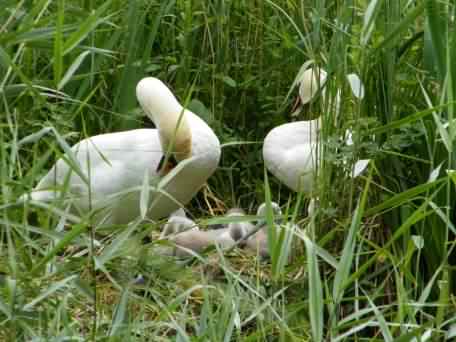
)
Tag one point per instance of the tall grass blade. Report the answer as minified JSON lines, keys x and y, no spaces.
{"x":58,"y":43}
{"x":85,"y":28}
{"x":72,"y":69}
{"x":315,"y":293}
{"x":49,"y":291}
{"x":438,"y":34}
{"x":345,"y":263}
{"x":120,"y":313}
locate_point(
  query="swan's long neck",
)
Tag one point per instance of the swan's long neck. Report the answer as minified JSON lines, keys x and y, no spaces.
{"x":175,"y":134}
{"x":168,"y":115}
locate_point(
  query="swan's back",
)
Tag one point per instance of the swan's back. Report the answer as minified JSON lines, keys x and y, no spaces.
{"x":290,"y":153}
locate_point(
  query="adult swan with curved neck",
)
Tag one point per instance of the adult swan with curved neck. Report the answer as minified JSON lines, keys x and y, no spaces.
{"x":290,"y":150}
{"x":117,"y":169}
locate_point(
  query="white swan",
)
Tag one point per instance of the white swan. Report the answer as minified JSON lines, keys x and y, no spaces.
{"x":290,"y":153}
{"x":108,"y":171}
{"x":290,"y":150}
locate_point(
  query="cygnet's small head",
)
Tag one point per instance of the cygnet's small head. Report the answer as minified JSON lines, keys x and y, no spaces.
{"x":262,"y":209}
{"x":237,"y":230}
{"x":178,"y":224}
{"x":235,"y":212}
{"x":162,"y":107}
{"x":262,"y":212}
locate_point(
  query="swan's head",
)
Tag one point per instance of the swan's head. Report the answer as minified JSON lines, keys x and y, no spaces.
{"x":162,"y":107}
{"x":311,"y":81}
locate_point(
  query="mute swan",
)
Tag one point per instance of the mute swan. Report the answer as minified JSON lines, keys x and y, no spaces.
{"x":116,"y":165}
{"x":290,"y":150}
{"x":258,"y":242}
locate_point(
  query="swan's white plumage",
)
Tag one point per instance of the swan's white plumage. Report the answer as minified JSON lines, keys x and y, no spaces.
{"x":290,"y":153}
{"x":116,"y":163}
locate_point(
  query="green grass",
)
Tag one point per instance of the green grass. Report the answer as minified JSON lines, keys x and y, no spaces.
{"x":375,"y":263}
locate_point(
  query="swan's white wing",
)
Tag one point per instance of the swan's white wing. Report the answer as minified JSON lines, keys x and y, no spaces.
{"x":356,"y":86}
{"x":113,"y":163}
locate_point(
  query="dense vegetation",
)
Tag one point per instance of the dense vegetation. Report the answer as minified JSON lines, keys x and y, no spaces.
{"x":377,"y":259}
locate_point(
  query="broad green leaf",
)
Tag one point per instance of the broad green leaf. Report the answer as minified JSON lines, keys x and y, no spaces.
{"x":229,"y":81}
{"x":356,"y":86}
{"x":407,"y":120}
{"x":403,"y":197}
{"x":34,"y":137}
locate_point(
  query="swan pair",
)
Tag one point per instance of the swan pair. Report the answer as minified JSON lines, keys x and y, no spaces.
{"x":188,"y":239}
{"x":119,"y":177}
